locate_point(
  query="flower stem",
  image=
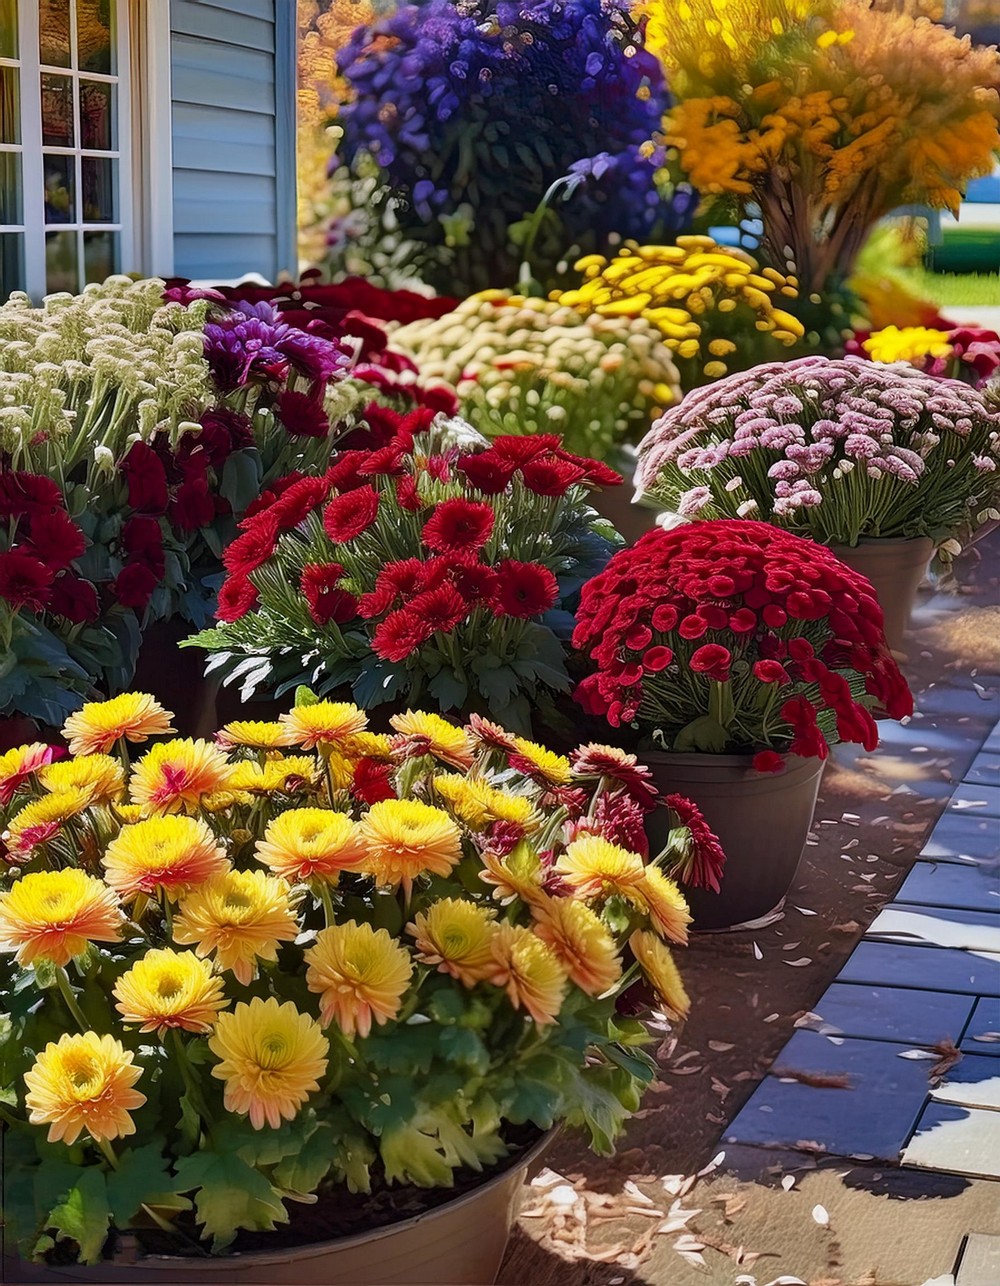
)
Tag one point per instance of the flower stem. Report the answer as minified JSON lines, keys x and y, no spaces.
{"x":109,"y":1152}
{"x":327,"y":900}
{"x":174,"y":1044}
{"x":66,"y":989}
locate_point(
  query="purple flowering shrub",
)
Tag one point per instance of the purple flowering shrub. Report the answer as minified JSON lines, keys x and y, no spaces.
{"x":472,"y":111}
{"x":835,"y":450}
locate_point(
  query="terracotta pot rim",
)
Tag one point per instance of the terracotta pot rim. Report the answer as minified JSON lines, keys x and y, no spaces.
{"x":315,"y":1249}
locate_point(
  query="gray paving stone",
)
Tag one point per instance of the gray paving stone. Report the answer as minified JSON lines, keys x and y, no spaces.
{"x":980,"y":1265}
{"x":959,"y":836}
{"x":992,"y":744}
{"x":974,"y":886}
{"x":935,"y":926}
{"x":894,"y":1013}
{"x":984,"y":800}
{"x":873,"y":1118}
{"x":984,"y":770}
{"x":973,"y":1082}
{"x":984,"y":1024}
{"x":892,"y":964}
{"x":960,"y":699}
{"x":957,"y":1140}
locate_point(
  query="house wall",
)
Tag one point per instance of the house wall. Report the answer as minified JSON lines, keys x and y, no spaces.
{"x":233,"y":126}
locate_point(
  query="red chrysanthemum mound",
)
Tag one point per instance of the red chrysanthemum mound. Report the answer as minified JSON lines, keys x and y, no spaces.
{"x":736,"y":635}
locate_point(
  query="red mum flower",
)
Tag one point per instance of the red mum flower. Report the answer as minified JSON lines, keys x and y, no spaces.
{"x":297,"y":502}
{"x":525,"y":589}
{"x":407,"y":495}
{"x":488,"y":472}
{"x":327,"y":601}
{"x":457,"y":525}
{"x":347,"y":472}
{"x":400,"y":634}
{"x":373,"y":782}
{"x":476,"y":582}
{"x":134,"y":586}
{"x":23,"y":493}
{"x":657,"y":659}
{"x":551,"y":476}
{"x":142,"y":540}
{"x":55,"y":538}
{"x":302,"y":414}
{"x":692,"y":627}
{"x":193,"y":506}
{"x":347,"y":516}
{"x":236,"y":597}
{"x":400,"y":579}
{"x":770,"y":672}
{"x":712,"y":660}
{"x":147,"y":479}
{"x":25,"y":581}
{"x":251,"y":549}
{"x":73,"y":598}
{"x":440,"y":609}
{"x":267,"y":498}
{"x":768,"y":761}
{"x":608,"y":761}
{"x":518,"y":450}
{"x":703,"y":861}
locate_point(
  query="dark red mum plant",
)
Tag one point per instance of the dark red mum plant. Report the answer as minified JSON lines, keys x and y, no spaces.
{"x":737,"y":636}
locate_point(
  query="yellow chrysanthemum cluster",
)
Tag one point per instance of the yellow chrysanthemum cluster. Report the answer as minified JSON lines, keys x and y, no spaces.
{"x":716,"y":310}
{"x":522,"y":365}
{"x":912,"y":344}
{"x":434,"y":857}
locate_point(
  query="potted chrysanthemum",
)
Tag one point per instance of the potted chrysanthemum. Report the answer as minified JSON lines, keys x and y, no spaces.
{"x":734,"y":655}
{"x":300,"y":1004}
{"x":885,"y":464}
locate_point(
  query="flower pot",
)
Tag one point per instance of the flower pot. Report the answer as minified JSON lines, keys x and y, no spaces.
{"x":761,"y":819}
{"x":895,"y":569}
{"x":461,"y":1241}
{"x":176,"y":677}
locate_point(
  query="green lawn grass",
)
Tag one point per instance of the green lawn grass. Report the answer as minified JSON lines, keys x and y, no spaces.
{"x":948,"y":289}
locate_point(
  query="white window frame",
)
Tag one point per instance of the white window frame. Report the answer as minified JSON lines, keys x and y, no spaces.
{"x":144,"y":222}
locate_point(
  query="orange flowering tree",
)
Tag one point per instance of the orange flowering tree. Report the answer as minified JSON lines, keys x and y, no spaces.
{"x":308,"y":957}
{"x":825,"y":115}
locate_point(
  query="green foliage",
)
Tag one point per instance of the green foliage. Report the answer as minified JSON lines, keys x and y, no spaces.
{"x":229,"y":1195}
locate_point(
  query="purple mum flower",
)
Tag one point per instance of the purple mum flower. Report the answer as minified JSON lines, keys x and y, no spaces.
{"x":252,"y":343}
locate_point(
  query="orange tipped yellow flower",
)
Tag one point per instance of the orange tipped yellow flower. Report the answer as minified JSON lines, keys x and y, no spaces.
{"x":580,"y":941}
{"x":405,"y":838}
{"x":95,"y":728}
{"x":241,"y":916}
{"x":271,"y":1059}
{"x":101,"y":775}
{"x":175,"y":775}
{"x":478,"y":803}
{"x":595,"y":868}
{"x":254,"y":734}
{"x":83,"y":1083}
{"x":429,"y":734}
{"x":168,"y":989}
{"x":285,"y":776}
{"x":361,"y":975}
{"x":658,"y":965}
{"x":17,"y":767}
{"x":54,"y":915}
{"x":518,"y":875}
{"x":529,"y":971}
{"x":41,"y":820}
{"x":665,"y":904}
{"x":456,"y":936}
{"x":327,"y":723}
{"x":544,"y":765}
{"x":368,"y":745}
{"x":168,"y":854}
{"x":310,"y":843}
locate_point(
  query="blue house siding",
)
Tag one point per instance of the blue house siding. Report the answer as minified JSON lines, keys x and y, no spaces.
{"x":233,"y":97}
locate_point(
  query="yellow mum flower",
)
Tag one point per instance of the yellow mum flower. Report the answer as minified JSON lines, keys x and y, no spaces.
{"x":542,"y":764}
{"x":17,"y":767}
{"x":286,"y":776}
{"x":477,"y":803}
{"x":101,"y":775}
{"x":909,"y":344}
{"x":456,"y":936}
{"x":128,"y":813}
{"x":239,"y":915}
{"x":271,"y":1058}
{"x":167,"y":989}
{"x":168,"y":854}
{"x":368,"y":745}
{"x":529,"y":971}
{"x":83,"y":1083}
{"x":658,"y":965}
{"x":95,"y":728}
{"x":55,"y":915}
{"x":254,"y":734}
{"x":405,"y":838}
{"x":580,"y":941}
{"x":311,"y":843}
{"x":429,"y":734}
{"x":175,"y":775}
{"x":361,"y":975}
{"x":327,"y":723}
{"x":595,"y":868}
{"x":518,"y":875}
{"x":665,"y":904}
{"x":41,"y":820}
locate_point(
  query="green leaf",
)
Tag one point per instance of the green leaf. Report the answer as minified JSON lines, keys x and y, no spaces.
{"x":305,"y":696}
{"x":230,"y":1195}
{"x":83,"y":1214}
{"x":406,"y":1048}
{"x":241,"y":479}
{"x":703,"y":733}
{"x":462,"y":1046}
{"x":142,"y":1179}
{"x":411,"y":1156}
{"x":449,"y":690}
{"x":601,"y":1098}
{"x":304,"y":1171}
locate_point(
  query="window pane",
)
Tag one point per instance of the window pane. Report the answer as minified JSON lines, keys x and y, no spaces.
{"x":60,"y":262}
{"x":60,"y":194}
{"x":96,"y":119}
{"x":97,"y":176}
{"x":11,"y":271}
{"x":57,"y":110}
{"x":100,"y":255}
{"x":93,"y":35}
{"x":8,"y":28}
{"x":10,"y":118}
{"x":10,"y":187}
{"x":53,"y":32}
